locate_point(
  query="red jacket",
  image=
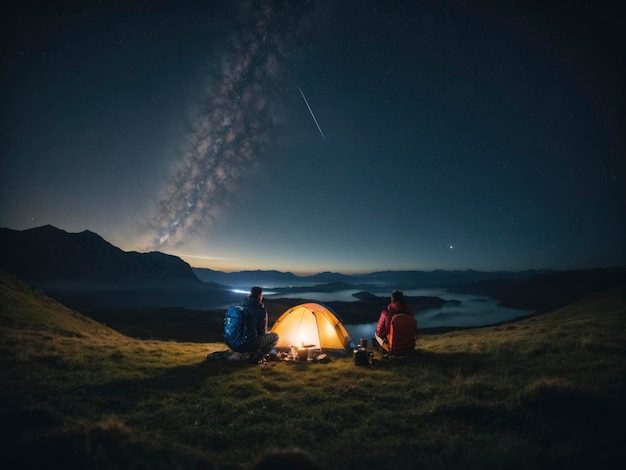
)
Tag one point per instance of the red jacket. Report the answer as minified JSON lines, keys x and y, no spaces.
{"x":382,"y":329}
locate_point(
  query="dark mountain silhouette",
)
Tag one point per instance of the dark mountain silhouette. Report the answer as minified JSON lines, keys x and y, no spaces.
{"x":552,"y":290}
{"x":443,"y":278}
{"x":393,"y":279}
{"x":496,"y":288}
{"x":48,"y":254}
{"x":284,"y":279}
{"x":248,"y":278}
{"x":86,"y":272}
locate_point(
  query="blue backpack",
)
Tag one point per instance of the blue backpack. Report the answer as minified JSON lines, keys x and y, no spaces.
{"x":237,"y":335}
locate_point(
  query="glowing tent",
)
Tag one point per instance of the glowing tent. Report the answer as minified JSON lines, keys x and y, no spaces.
{"x":313,"y":326}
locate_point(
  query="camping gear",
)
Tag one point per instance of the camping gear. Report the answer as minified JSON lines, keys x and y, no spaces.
{"x":303,"y":354}
{"x":236,"y":333}
{"x":312,"y":325}
{"x":313,"y":353}
{"x":361,"y":357}
{"x":402,"y":334}
{"x":322,"y":358}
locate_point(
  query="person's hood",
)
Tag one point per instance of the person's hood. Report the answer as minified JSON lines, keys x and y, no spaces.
{"x":250,"y":302}
{"x":396,"y":307}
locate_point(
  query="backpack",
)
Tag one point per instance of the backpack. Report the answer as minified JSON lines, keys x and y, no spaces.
{"x":237,"y":335}
{"x":402,"y":333}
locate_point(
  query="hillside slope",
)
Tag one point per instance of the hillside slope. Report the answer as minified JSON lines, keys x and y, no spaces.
{"x":557,"y":289}
{"x":543,"y":392}
{"x":27,"y":310}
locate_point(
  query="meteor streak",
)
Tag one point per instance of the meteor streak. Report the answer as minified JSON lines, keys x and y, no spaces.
{"x":311,"y":111}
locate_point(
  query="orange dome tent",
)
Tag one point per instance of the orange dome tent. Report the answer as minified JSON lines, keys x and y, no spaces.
{"x":313,"y":326}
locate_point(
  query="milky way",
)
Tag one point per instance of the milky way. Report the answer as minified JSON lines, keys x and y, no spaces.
{"x":234,"y":125}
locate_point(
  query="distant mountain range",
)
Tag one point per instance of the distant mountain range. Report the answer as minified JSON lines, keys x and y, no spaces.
{"x":392,"y":279}
{"x":85,"y":272}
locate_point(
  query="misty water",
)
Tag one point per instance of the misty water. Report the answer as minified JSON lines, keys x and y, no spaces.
{"x":474,"y":310}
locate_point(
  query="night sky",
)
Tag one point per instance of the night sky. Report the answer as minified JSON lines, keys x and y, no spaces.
{"x":321,"y":136}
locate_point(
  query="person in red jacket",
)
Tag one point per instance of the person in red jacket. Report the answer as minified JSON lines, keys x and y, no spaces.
{"x":397,"y":305}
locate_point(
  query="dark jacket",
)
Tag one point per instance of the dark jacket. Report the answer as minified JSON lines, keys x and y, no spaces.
{"x":384,"y":322}
{"x":257,"y":315}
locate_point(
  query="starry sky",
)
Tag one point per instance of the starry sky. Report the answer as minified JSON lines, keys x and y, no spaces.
{"x":310,"y":136}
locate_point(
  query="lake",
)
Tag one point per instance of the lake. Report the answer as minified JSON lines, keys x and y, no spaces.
{"x":474,"y":310}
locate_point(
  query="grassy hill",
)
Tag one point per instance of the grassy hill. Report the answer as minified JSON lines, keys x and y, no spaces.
{"x":543,"y":392}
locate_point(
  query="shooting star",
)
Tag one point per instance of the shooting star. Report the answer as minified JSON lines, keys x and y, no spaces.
{"x":311,"y":111}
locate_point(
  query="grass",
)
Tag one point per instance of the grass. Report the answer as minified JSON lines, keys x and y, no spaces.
{"x":543,"y":392}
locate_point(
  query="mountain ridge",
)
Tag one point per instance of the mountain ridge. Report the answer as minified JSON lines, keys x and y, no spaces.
{"x":401,"y":279}
{"x":84,"y":271}
{"x":48,"y":254}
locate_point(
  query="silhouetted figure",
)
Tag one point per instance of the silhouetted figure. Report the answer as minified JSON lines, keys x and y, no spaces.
{"x":403,"y":328}
{"x":265,"y":340}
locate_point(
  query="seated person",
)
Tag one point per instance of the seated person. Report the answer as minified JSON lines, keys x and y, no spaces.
{"x":257,"y":321}
{"x":397,"y":305}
